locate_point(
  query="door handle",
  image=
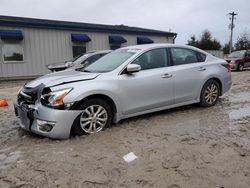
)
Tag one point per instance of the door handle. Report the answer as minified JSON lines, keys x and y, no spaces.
{"x":166,"y":75}
{"x":202,"y":69}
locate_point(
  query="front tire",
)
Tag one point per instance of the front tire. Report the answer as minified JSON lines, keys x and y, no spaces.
{"x":210,"y":93}
{"x":96,"y":115}
{"x":240,"y":67}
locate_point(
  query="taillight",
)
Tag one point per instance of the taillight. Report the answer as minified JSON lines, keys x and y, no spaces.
{"x":227,"y":66}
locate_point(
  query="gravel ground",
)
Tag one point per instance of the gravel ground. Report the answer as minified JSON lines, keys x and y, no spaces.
{"x":189,"y":146}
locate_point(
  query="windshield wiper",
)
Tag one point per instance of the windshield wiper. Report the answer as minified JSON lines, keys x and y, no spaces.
{"x":86,"y":71}
{"x":92,"y":71}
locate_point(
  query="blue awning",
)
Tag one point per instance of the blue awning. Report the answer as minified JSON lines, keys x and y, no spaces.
{"x":11,"y":35}
{"x":144,"y":40}
{"x":75,"y":37}
{"x":116,"y":39}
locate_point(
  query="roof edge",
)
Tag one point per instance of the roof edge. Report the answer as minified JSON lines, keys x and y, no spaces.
{"x":78,"y":26}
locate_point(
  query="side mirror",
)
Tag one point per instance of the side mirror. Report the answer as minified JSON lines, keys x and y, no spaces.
{"x":131,"y":68}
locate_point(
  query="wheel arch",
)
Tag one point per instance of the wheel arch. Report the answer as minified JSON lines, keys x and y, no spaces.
{"x":104,"y":97}
{"x":217,"y":80}
{"x":242,"y":63}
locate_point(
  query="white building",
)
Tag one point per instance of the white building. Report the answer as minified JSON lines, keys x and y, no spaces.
{"x":27,"y":45}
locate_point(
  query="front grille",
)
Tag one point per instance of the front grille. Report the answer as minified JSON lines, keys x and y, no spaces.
{"x":27,"y":96}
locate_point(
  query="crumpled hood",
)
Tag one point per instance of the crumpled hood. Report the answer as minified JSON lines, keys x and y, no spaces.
{"x":62,"y":77}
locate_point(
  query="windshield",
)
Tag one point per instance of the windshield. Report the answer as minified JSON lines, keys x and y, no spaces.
{"x":75,"y":58}
{"x":237,"y":54}
{"x":81,"y":58}
{"x":109,"y":62}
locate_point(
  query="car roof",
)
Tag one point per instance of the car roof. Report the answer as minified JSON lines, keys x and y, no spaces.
{"x":98,"y":52}
{"x":159,"y":45}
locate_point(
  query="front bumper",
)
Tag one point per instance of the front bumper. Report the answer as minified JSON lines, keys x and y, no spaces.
{"x":234,"y":66}
{"x":62,"y":120}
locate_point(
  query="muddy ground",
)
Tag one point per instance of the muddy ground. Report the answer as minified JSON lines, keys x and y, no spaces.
{"x":184,"y":147}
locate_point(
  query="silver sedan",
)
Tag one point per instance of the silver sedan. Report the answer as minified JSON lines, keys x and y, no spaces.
{"x":127,"y":82}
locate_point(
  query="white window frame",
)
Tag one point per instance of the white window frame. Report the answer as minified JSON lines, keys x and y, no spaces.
{"x":12,"y":42}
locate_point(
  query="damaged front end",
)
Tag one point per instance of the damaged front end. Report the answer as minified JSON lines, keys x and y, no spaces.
{"x":42,"y":106}
{"x":25,"y":105}
{"x":43,"y":112}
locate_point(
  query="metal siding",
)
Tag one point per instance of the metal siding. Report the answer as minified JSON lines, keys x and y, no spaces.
{"x":1,"y":62}
{"x":45,"y":46}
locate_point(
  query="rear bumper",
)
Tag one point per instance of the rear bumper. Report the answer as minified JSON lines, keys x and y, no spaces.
{"x":62,"y":120}
{"x":227,"y":83}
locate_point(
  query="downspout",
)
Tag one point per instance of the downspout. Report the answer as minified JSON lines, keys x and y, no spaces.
{"x":175,"y":36}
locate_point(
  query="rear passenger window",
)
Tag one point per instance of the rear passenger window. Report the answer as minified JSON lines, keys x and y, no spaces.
{"x":152,"y":59}
{"x":202,"y":57}
{"x":183,"y":56}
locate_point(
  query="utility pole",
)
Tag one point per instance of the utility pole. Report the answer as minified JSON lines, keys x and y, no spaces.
{"x":231,"y":26}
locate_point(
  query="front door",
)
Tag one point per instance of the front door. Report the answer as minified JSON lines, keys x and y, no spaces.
{"x":247,"y":59}
{"x":150,"y":88}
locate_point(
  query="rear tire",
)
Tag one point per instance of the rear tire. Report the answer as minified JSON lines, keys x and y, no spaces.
{"x":210,"y":93}
{"x":240,"y":67}
{"x":96,"y":115}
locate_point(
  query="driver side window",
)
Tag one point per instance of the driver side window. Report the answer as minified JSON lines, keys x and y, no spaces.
{"x":152,"y":59}
{"x":248,"y":53}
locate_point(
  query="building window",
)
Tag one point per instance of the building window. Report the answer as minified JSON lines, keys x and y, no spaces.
{"x":13,"y":52}
{"x":78,"y":50}
{"x":114,"y":47}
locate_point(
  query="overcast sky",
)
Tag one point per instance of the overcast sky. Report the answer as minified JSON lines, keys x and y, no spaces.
{"x":185,"y":17}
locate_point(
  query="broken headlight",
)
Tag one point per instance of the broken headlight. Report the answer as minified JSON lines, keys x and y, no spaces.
{"x":55,"y":98}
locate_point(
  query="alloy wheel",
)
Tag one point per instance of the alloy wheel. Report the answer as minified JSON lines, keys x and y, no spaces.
{"x":211,"y":94}
{"x":93,"y":119}
{"x":241,"y":67}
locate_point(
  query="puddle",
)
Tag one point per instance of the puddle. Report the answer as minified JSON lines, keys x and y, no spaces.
{"x":239,"y":97}
{"x":239,"y":113}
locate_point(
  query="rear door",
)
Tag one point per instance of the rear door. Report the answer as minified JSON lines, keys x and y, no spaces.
{"x":150,"y":88}
{"x":189,"y":69}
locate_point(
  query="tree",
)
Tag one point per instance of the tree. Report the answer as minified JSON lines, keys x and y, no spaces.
{"x":226,"y":49}
{"x":192,"y":41}
{"x":206,"y":42}
{"x":243,"y":41}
